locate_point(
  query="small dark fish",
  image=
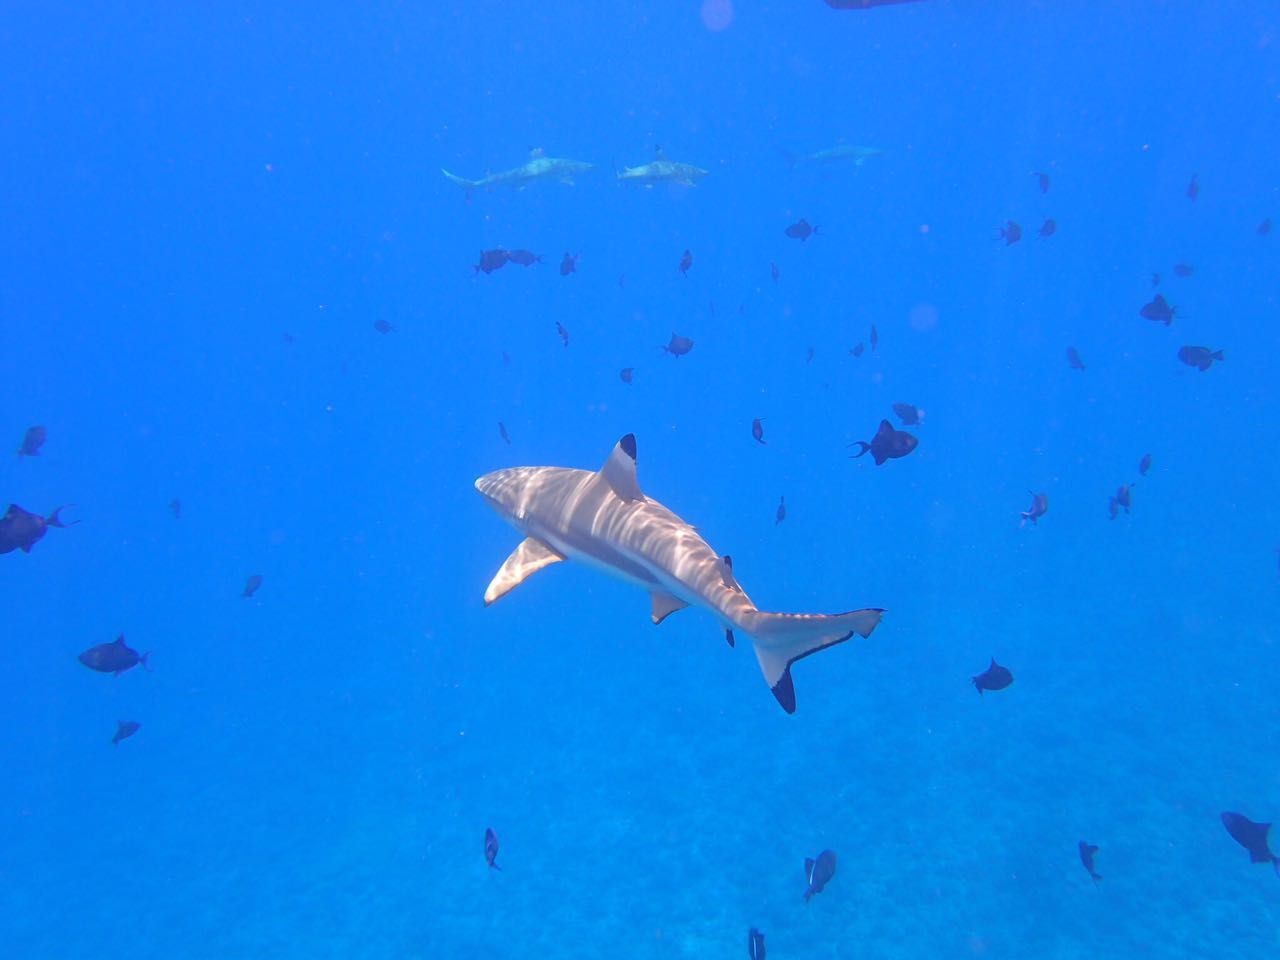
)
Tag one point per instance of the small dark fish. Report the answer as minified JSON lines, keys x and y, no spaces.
{"x":526,"y":258}
{"x":874,"y":339}
{"x":114,"y":657}
{"x":755,"y":944}
{"x":1010,"y":232}
{"x":887,"y":444}
{"x":251,"y":585}
{"x":809,"y":355}
{"x":781,"y":513}
{"x":564,"y":334}
{"x":686,"y":261}
{"x":1183,"y":269}
{"x":1073,"y":358}
{"x":995,"y":677}
{"x":1123,"y":499}
{"x":1043,"y":180}
{"x":774,"y":272}
{"x":1144,"y":464}
{"x":1039,"y":507}
{"x":678,"y":346}
{"x":1158,"y":310}
{"x":1048,"y":228}
{"x":124,"y":730}
{"x":491,"y":260}
{"x":909,"y":414}
{"x":289,"y":338}
{"x":800,"y":230}
{"x":32,"y":441}
{"x":857,"y":349}
{"x":21,"y":530}
{"x":568,"y":265}
{"x":1087,"y":852}
{"x":1202,"y":358}
{"x":818,"y":873}
{"x":502,"y":432}
{"x":382,"y":326}
{"x":1253,"y":837}
{"x":1264,"y":227}
{"x":627,"y":374}
{"x":1193,"y":188}
{"x":175,"y":507}
{"x":491,"y":848}
{"x":757,"y":429}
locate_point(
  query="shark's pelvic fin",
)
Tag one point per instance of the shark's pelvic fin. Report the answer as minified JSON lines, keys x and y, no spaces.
{"x":664,"y":605}
{"x":619,"y":471}
{"x":783,"y":638}
{"x":525,"y":560}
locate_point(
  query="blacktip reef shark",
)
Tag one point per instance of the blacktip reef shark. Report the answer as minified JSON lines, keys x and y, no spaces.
{"x":841,"y":153}
{"x":538,"y":167}
{"x":603,"y":519}
{"x":662,"y":170}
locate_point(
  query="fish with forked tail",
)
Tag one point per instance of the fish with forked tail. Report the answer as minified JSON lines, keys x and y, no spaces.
{"x":1254,"y":837}
{"x":115,"y":657}
{"x":818,"y":873}
{"x":21,"y":529}
{"x":995,"y":677}
{"x":887,"y":444}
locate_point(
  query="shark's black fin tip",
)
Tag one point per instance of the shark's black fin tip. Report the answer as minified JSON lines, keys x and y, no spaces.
{"x":628,"y":445}
{"x":785,"y":692}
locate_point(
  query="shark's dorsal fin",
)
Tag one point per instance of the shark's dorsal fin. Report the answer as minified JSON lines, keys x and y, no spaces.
{"x":664,"y":605}
{"x":536,"y":152}
{"x":619,"y":471}
{"x":659,"y":153}
{"x":525,"y":560}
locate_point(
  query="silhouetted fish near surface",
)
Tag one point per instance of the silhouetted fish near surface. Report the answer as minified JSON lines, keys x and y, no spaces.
{"x":995,"y":677}
{"x":491,"y":848}
{"x":757,"y":430}
{"x":686,"y":261}
{"x":678,"y":345}
{"x":1039,"y":507}
{"x":568,"y":265}
{"x":1073,"y":358}
{"x":909,"y":414}
{"x":1010,"y":232}
{"x":1183,"y":269}
{"x":491,"y":260}
{"x":874,"y":339}
{"x":1158,"y":310}
{"x":175,"y":507}
{"x":1043,"y":180}
{"x":124,"y":730}
{"x":563,"y":333}
{"x":1202,"y":358}
{"x":755,"y":944}
{"x":251,"y":585}
{"x":1087,"y":852}
{"x":526,"y":258}
{"x":115,"y":657}
{"x":627,"y":374}
{"x":1123,"y":499}
{"x":887,"y":444}
{"x":800,"y":230}
{"x":1253,"y":837}
{"x":1193,"y":188}
{"x":1144,"y":464}
{"x":21,"y":530}
{"x":1048,"y":228}
{"x":502,"y":432}
{"x":856,"y":349}
{"x":781,"y":513}
{"x":1264,"y":227}
{"x":32,"y":441}
{"x":818,"y":873}
{"x":382,"y":326}
{"x":774,"y":272}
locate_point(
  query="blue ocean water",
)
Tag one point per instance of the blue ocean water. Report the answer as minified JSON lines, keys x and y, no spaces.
{"x":206,"y":209}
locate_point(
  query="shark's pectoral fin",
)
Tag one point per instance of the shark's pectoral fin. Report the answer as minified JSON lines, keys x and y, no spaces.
{"x":525,"y":560}
{"x":664,"y":605}
{"x":619,"y":471}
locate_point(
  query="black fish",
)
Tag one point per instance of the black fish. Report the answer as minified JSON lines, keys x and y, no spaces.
{"x":491,"y":260}
{"x":175,"y":507}
{"x":1123,"y":498}
{"x":678,"y":346}
{"x":502,"y":432}
{"x":1039,"y":507}
{"x":251,"y":585}
{"x":686,"y":261}
{"x":781,"y":513}
{"x":1087,"y":852}
{"x":909,"y":414}
{"x":874,"y":339}
{"x":757,"y":430}
{"x":1193,"y":188}
{"x":1264,"y":227}
{"x":1183,"y":269}
{"x":1011,"y":232}
{"x":124,"y":730}
{"x":1043,"y":180}
{"x":1073,"y":358}
{"x":114,"y":657}
{"x":774,"y":272}
{"x":1253,"y":837}
{"x":755,"y":944}
{"x":800,"y":230}
{"x":887,"y":444}
{"x":568,"y":265}
{"x":32,"y":441}
{"x":383,"y":326}
{"x":857,"y":349}
{"x":818,"y":873}
{"x":526,"y":258}
{"x":20,"y":530}
{"x":1144,"y":464}
{"x":1048,"y":228}
{"x":1158,"y":310}
{"x":1201,"y":358}
{"x":626,"y":374}
{"x":491,"y":848}
{"x":564,"y":334}
{"x":995,"y":677}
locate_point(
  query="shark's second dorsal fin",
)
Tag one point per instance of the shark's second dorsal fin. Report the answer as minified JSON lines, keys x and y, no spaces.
{"x":619,"y":471}
{"x":525,"y":560}
{"x":536,"y":152}
{"x":726,"y":573}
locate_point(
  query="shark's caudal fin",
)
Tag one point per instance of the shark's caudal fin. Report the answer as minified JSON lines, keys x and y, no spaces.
{"x":467,"y":185}
{"x":781,"y":639}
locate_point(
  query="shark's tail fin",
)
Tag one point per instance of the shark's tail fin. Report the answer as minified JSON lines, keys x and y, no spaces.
{"x":463,"y":182}
{"x":780,"y":639}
